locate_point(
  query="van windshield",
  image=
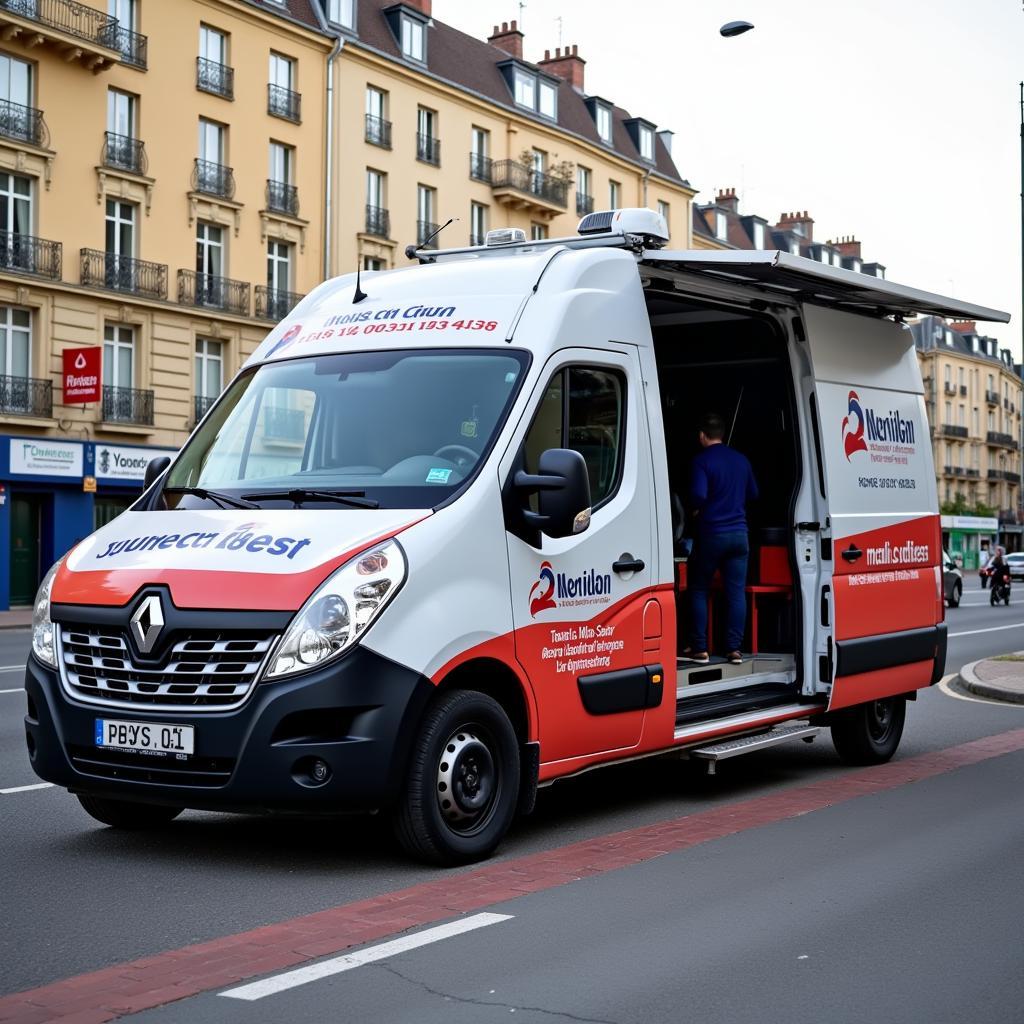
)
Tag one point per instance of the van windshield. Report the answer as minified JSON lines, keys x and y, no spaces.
{"x":394,"y":429}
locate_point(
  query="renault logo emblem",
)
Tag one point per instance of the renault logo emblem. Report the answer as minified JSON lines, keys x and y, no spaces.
{"x":146,"y":623}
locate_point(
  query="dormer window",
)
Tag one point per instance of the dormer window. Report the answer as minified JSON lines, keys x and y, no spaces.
{"x":721,"y":225}
{"x":530,"y":90}
{"x":758,"y":235}
{"x":413,"y":39}
{"x":603,"y":117}
{"x":342,"y":12}
{"x":823,"y":255}
{"x":646,"y":143}
{"x":547,"y":105}
{"x":526,"y":86}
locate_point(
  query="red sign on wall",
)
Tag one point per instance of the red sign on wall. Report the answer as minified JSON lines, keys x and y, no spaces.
{"x":82,"y":375}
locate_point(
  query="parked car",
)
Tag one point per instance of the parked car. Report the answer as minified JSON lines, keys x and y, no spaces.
{"x":952,"y":580}
{"x":1016,"y":563}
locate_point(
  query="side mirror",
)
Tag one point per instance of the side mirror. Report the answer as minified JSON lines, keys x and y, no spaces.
{"x":153,"y":471}
{"x":563,"y":487}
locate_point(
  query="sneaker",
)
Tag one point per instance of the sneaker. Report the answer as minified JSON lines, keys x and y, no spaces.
{"x":734,"y":658}
{"x":695,"y":657}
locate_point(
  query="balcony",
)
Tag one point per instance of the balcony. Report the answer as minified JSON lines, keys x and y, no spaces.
{"x":218,"y":79}
{"x":25,"y":124}
{"x":1004,"y":474}
{"x":123,"y":153}
{"x":201,"y":405}
{"x":1006,"y":440}
{"x":428,"y":149}
{"x":953,"y":431}
{"x":127,"y":405}
{"x":481,"y":167}
{"x":378,"y":131}
{"x":26,"y":396}
{"x":425,"y":230}
{"x":123,"y":274}
{"x":275,"y":305}
{"x":523,"y":188}
{"x":947,"y":470}
{"x":992,"y":397}
{"x":285,"y":103}
{"x":282,"y":198}
{"x":206,"y":291}
{"x":378,"y":221}
{"x":974,"y":473}
{"x":133,"y":46}
{"x":26,"y":254}
{"x":584,"y":204}
{"x":959,"y":471}
{"x":79,"y":32}
{"x":213,"y":179}
{"x":950,"y":388}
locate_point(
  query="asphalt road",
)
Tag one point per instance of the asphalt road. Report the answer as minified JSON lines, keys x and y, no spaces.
{"x":904,"y":905}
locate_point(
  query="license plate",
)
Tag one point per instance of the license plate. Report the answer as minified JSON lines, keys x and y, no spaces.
{"x":145,"y":736}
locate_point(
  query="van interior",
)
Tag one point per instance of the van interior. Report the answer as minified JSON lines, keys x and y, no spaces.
{"x":736,"y":364}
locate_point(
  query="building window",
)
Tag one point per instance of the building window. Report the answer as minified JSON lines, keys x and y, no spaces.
{"x":213,"y":45}
{"x":282,"y":163}
{"x":526,"y":86}
{"x":120,"y":239}
{"x":614,"y":195}
{"x":121,"y":113}
{"x":282,"y":98}
{"x":547,"y":100}
{"x":126,"y":12}
{"x":413,"y":39}
{"x":603,"y":117}
{"x":279,"y":266}
{"x":282,"y":71}
{"x":212,"y":72}
{"x":15,"y":95}
{"x":342,"y":12}
{"x":584,"y":193}
{"x":372,"y":263}
{"x":118,"y":356}
{"x":426,"y":207}
{"x":209,"y":250}
{"x":794,"y":247}
{"x":15,"y":204}
{"x":375,"y":189}
{"x":378,"y":127}
{"x":758,"y":235}
{"x":663,"y":209}
{"x":477,"y":223}
{"x":479,"y":154}
{"x":209,"y":365}
{"x":428,"y":148}
{"x":212,"y":139}
{"x":721,"y":225}
{"x":538,"y":232}
{"x":646,"y":143}
{"x":15,"y":342}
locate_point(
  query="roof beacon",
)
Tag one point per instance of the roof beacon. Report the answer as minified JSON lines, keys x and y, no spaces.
{"x":635,"y":221}
{"x":504,"y":236}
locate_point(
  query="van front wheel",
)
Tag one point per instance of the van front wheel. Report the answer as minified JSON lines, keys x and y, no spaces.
{"x":869,"y":733}
{"x":463,"y":783}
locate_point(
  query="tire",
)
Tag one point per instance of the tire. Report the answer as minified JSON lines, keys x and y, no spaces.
{"x":869,"y":733}
{"x":466,"y":756}
{"x":954,"y":598}
{"x":127,"y":815}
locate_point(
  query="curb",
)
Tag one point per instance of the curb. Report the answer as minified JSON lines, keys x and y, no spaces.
{"x":991,"y":691}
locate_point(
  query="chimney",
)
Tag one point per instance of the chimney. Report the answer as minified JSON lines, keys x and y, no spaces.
{"x":726,"y":198}
{"x":666,"y":139}
{"x":423,"y":6}
{"x":849,"y":247}
{"x":801,"y":223}
{"x":507,"y":38}
{"x":965,"y":326}
{"x":568,"y":66}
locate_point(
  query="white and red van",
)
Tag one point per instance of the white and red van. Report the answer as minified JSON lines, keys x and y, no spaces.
{"x":425,"y":553}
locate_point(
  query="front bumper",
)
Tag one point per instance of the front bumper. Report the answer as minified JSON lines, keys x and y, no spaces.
{"x":358,"y":715}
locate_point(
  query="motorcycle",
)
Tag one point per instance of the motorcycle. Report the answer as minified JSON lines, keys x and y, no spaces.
{"x":999,"y":590}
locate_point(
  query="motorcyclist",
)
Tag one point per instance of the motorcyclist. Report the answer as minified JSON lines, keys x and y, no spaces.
{"x":1000,"y":578}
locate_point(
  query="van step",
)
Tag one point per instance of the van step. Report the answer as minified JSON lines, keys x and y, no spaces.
{"x":701,"y":707}
{"x":715,"y":752}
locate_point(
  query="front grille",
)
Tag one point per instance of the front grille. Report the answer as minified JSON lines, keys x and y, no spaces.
{"x":117,"y":764}
{"x":205,"y":670}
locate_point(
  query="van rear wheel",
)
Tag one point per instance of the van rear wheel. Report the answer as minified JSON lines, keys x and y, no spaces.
{"x":463,"y":784}
{"x":869,"y":733}
{"x":126,"y":814}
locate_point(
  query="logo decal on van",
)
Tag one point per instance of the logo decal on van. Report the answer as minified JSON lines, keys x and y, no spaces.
{"x":544,"y":597}
{"x":853,"y":437}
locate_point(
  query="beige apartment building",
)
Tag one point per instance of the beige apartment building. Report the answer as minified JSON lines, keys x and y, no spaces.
{"x":433,"y":124}
{"x":161,"y":198}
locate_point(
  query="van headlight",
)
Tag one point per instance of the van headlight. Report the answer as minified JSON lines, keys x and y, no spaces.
{"x":43,"y":646}
{"x":338,"y":613}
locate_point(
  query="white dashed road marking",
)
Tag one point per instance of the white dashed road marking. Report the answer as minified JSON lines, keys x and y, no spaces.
{"x":25,"y":789}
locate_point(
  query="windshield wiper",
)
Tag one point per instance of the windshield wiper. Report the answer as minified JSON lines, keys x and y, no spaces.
{"x":224,"y":500}
{"x":298,"y":495}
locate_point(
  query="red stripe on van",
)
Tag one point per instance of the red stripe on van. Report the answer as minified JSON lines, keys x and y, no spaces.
{"x":912,"y":544}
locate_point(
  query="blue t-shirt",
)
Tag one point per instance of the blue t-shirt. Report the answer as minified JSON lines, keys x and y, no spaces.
{"x":722,"y":483}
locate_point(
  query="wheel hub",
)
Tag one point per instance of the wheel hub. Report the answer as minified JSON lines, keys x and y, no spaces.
{"x":466,"y":779}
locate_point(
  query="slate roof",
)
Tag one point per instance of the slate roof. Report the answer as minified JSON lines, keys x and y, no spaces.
{"x":306,"y":12}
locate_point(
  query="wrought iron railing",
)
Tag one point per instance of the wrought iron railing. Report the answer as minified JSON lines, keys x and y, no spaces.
{"x":26,"y":396}
{"x":425,"y":229}
{"x":201,"y":404}
{"x":133,"y":46}
{"x":1004,"y":474}
{"x":286,"y":103}
{"x":378,"y":131}
{"x":216,"y":78}
{"x":213,"y":179}
{"x":951,"y":430}
{"x":378,"y":221}
{"x":272,"y":304}
{"x":127,"y":405}
{"x":992,"y":397}
{"x":480,"y":167}
{"x":124,"y":153}
{"x":25,"y":124}
{"x":584,"y":204}
{"x":31,"y":255}
{"x":74,"y":18}
{"x":510,"y":174}
{"x":995,"y":437}
{"x":282,"y":197}
{"x":209,"y":291}
{"x":428,"y":149}
{"x":123,"y":274}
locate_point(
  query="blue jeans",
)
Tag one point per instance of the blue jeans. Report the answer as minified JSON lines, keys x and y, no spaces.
{"x":728,"y":553}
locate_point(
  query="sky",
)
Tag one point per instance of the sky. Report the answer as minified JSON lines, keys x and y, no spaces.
{"x":897,"y":121}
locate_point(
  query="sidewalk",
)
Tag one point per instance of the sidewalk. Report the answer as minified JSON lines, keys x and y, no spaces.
{"x":16,"y":618}
{"x":998,"y":678}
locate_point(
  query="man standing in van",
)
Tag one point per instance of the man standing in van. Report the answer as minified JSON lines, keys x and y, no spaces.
{"x":722,"y":484}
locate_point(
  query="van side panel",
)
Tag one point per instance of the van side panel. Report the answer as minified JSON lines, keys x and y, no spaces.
{"x":883,"y":515}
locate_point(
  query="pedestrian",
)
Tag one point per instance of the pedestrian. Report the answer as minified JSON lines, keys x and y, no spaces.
{"x":722,"y":485}
{"x":986,"y":562}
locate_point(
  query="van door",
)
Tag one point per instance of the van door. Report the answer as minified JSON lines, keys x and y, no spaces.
{"x":880,"y":484}
{"x":578,"y":603}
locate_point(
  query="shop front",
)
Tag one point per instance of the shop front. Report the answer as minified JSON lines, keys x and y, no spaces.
{"x":969,"y":539}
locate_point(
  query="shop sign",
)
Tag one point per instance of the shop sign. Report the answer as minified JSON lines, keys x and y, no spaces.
{"x":985,"y":524}
{"x":119,"y":462}
{"x":44,"y":457}
{"x":81,"y":375}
